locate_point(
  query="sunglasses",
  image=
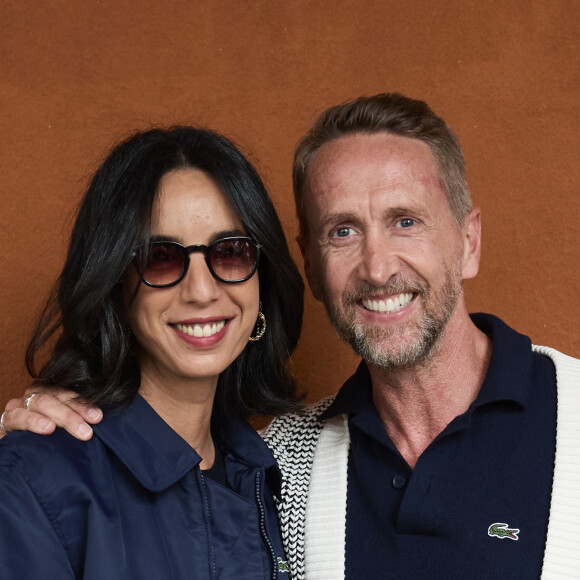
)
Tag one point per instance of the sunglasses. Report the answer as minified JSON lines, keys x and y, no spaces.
{"x":162,"y":264}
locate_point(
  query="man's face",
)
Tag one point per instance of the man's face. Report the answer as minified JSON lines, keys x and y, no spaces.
{"x":383,"y":251}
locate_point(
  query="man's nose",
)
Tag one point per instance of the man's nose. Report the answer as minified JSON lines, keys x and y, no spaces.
{"x":379,"y":260}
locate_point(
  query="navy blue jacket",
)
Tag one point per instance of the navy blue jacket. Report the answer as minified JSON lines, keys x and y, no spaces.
{"x":132,"y":503}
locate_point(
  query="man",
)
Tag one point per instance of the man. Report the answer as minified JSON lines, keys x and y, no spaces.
{"x":436,"y":459}
{"x":451,"y":451}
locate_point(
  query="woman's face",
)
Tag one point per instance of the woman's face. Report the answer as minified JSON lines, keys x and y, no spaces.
{"x":191,"y":209}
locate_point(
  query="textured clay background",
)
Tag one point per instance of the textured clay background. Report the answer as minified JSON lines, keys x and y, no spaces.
{"x":77,"y":76}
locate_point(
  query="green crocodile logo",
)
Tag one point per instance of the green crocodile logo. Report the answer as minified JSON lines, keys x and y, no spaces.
{"x":502,"y":531}
{"x":283,"y":565}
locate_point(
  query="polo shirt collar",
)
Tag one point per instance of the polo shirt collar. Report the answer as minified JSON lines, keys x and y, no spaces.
{"x":354,"y":397}
{"x":158,"y":457}
{"x":508,"y":376}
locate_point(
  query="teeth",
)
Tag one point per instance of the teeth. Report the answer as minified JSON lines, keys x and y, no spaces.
{"x":200,"y":330}
{"x":390,"y":304}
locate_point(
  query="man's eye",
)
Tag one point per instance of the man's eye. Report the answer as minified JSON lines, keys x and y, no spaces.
{"x":407,"y":222}
{"x":343,"y":232}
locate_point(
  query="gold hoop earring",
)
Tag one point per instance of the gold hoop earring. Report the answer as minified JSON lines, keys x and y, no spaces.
{"x":260,"y":326}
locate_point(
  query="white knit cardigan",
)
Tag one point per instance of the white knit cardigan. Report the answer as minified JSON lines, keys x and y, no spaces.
{"x":313,"y":457}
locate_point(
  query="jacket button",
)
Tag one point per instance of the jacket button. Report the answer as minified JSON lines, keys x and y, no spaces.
{"x":399,"y":481}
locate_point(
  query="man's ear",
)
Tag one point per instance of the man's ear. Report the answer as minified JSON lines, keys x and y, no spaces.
{"x":311,"y":270}
{"x":471,"y":231}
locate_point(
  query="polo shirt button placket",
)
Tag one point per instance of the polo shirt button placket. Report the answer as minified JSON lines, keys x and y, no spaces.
{"x":399,"y":481}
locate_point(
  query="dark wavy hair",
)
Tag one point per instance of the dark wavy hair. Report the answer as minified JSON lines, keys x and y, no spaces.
{"x":95,"y":353}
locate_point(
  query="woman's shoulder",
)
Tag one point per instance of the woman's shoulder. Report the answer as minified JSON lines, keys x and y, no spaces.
{"x":51,"y":489}
{"x":46,"y":458}
{"x":42,"y":475}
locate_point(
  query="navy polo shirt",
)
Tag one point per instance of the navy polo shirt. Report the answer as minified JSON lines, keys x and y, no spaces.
{"x":476,"y":505}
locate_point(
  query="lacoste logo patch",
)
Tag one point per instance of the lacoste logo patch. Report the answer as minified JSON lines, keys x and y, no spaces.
{"x":502,"y":531}
{"x":283,"y":566}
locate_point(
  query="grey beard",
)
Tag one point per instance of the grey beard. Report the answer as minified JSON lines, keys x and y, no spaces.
{"x":368,"y":343}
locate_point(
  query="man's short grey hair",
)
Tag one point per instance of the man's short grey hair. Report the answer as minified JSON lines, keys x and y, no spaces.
{"x":395,"y":114}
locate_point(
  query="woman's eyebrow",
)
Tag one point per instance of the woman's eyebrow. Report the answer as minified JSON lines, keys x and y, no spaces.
{"x":237,"y":232}
{"x":233,"y":233}
{"x":163,"y":238}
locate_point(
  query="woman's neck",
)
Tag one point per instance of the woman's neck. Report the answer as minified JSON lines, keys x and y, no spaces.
{"x":186,"y":406}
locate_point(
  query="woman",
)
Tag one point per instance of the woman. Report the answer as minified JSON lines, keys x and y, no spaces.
{"x":177,"y":309}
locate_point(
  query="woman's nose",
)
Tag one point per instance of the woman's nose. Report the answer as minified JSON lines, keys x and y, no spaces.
{"x":198,"y":284}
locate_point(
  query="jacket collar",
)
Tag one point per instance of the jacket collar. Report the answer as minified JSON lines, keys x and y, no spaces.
{"x":155,"y":454}
{"x":240,"y":439}
{"x":158,"y":457}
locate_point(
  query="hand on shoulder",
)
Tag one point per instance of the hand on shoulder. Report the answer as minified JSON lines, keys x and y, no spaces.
{"x":42,"y":409}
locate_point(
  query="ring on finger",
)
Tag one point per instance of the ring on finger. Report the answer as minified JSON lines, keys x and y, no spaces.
{"x":2,"y":422}
{"x":27,"y":401}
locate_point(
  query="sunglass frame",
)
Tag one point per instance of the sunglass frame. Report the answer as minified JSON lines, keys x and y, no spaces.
{"x":140,"y":264}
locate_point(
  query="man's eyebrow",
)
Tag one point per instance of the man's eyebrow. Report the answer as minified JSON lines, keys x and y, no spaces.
{"x":404,"y":210}
{"x":391,"y":212}
{"x":336,"y":218}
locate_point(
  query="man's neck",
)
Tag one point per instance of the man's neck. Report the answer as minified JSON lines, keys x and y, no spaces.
{"x":416,"y":403}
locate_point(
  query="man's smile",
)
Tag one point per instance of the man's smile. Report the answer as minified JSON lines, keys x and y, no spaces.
{"x":389,"y":305}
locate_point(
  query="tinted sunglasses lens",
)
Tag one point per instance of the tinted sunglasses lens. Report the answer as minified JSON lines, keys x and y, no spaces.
{"x":233,"y":260}
{"x":165,"y":263}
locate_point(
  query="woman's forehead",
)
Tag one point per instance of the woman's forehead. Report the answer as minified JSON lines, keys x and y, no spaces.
{"x":190,"y":203}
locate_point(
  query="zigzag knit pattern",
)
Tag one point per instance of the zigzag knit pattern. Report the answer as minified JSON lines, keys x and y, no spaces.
{"x":292,"y":439}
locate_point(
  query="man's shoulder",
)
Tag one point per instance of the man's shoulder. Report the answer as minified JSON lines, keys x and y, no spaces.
{"x":567,"y":367}
{"x":566,"y":482}
{"x":307,"y":419}
{"x":556,"y":355}
{"x":293,"y":437}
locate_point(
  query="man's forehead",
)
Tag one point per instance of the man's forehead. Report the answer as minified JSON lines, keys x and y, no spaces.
{"x":370,"y":160}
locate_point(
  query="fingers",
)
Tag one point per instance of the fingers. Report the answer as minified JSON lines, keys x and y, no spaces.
{"x":2,"y":427}
{"x":50,"y":408}
{"x":19,"y":419}
{"x":89,"y":413}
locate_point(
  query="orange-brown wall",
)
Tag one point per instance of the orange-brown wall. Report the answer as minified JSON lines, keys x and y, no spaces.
{"x":76,"y":76}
